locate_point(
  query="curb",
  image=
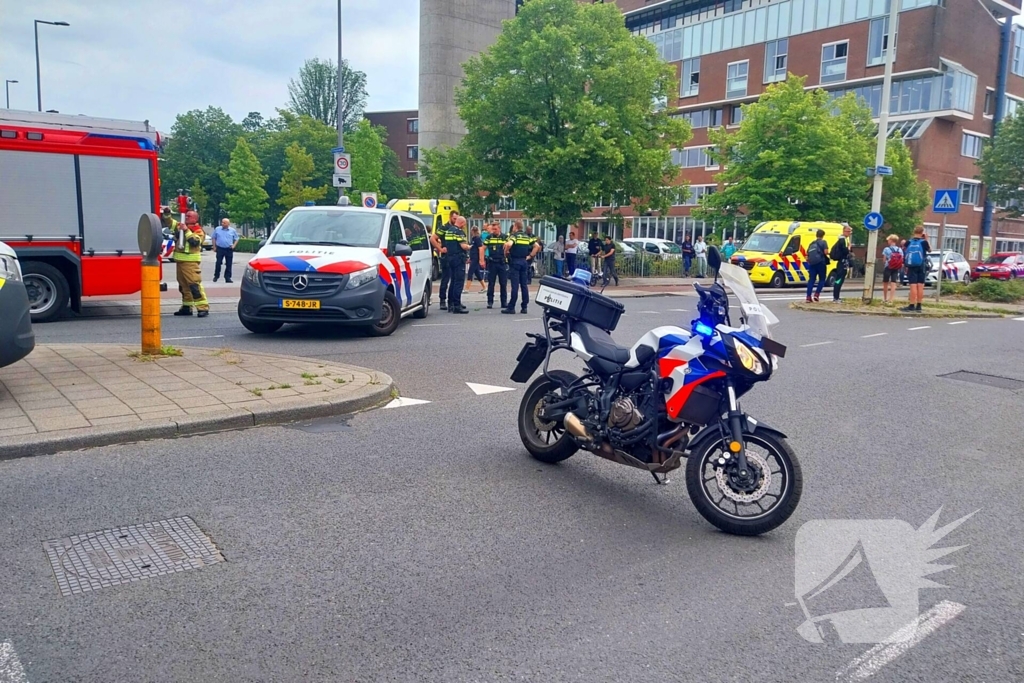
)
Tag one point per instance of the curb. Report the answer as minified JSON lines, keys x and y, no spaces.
{"x":300,"y":408}
{"x":907,"y":316}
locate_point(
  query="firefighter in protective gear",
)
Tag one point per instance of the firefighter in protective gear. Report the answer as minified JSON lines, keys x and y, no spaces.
{"x":186,"y":260}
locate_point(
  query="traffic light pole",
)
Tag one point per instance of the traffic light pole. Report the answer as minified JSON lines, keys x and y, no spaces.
{"x":883,"y":129}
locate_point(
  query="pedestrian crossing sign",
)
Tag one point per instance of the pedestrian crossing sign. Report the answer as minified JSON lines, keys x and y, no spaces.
{"x":946,"y":201}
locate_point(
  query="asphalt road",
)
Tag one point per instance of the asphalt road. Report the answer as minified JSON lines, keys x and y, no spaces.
{"x":422,"y":544}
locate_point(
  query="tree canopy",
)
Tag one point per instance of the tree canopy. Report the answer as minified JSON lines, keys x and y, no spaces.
{"x":298,"y":171}
{"x":904,"y":197}
{"x":197,"y":150}
{"x":314,"y":92}
{"x":561,"y":111}
{"x":367,"y":150}
{"x":246,"y":199}
{"x":1002,"y":166}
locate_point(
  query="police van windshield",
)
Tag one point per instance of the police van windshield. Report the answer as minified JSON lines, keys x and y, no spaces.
{"x":331,"y":228}
{"x":766,"y":242}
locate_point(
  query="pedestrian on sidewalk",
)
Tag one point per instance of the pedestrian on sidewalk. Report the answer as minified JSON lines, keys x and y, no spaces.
{"x":841,"y":255}
{"x":225,"y":239}
{"x":700,"y":251}
{"x":687,"y":256}
{"x":728,"y":249}
{"x":190,"y":277}
{"x":608,"y":257}
{"x":892,"y":257}
{"x":817,"y":262}
{"x":457,"y":246}
{"x":594,"y":250}
{"x":571,"y":247}
{"x":916,"y":260}
{"x":559,"y":252}
{"x":476,"y":260}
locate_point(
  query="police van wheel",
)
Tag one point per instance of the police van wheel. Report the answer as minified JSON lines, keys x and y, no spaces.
{"x":48,"y":291}
{"x":390,"y":316}
{"x":777,"y":281}
{"x":422,"y":313}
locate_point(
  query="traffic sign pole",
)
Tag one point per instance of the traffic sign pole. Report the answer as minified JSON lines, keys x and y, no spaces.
{"x":938,"y":281}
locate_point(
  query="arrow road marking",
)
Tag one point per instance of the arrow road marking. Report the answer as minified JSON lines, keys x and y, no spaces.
{"x":482,"y":389}
{"x":403,"y":402}
{"x":11,"y":670}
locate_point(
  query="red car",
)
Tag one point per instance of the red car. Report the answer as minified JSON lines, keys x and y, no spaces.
{"x":1001,"y":266}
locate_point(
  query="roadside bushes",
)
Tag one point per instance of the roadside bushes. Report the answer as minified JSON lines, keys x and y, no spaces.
{"x":986,"y":289}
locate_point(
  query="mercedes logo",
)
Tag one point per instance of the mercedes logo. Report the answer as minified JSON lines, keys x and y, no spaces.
{"x":300,"y":282}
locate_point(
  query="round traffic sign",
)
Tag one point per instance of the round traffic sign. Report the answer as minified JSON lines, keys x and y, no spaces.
{"x":873,"y":221}
{"x":342,"y":163}
{"x":370,"y":202}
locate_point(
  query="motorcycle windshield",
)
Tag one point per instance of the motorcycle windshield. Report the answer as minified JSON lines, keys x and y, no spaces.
{"x":757,"y":315}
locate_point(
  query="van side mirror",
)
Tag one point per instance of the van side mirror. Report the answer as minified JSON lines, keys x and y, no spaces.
{"x":403,"y":249}
{"x":714,"y":258}
{"x":263,"y":243}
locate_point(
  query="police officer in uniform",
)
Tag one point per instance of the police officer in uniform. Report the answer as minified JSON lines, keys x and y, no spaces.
{"x":497,"y":265}
{"x":456,"y":247}
{"x":520,"y":250}
{"x":438,"y":240}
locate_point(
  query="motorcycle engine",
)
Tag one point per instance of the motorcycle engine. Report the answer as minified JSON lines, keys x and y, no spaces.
{"x":624,"y":415}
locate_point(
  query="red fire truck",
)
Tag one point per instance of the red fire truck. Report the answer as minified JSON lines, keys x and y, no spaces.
{"x":72,"y":191}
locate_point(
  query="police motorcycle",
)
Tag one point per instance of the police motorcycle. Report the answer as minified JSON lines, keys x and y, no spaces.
{"x":673,"y":395}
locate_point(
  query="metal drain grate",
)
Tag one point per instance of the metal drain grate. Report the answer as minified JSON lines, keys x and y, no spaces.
{"x":131,"y":553}
{"x":985,"y":380}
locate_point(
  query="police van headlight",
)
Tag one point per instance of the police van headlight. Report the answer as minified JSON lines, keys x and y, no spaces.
{"x":10,"y":269}
{"x":252,"y":276}
{"x":361,"y":277}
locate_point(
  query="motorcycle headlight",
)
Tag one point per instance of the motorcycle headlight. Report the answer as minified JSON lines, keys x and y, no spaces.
{"x":10,"y":269}
{"x":748,"y":359}
{"x":252,"y":276}
{"x":361,"y":277}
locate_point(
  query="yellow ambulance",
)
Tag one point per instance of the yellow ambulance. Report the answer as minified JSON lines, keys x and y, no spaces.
{"x":775,"y":254}
{"x":433,"y":212}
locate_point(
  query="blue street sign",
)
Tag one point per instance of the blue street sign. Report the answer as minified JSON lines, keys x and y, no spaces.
{"x":338,"y":150}
{"x":873,"y":221}
{"x":946,"y":201}
{"x":884,"y":170}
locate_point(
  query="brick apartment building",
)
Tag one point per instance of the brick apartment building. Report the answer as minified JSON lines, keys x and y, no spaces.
{"x":403,"y":129}
{"x":944,"y":99}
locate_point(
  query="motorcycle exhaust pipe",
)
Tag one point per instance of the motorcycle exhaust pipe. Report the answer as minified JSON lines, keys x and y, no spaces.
{"x":575,"y":426}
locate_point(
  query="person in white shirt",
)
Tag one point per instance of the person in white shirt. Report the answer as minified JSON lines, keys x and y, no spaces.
{"x":700,"y":251}
{"x":571,"y":245}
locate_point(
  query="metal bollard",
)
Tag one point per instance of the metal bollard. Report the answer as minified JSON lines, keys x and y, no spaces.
{"x":150,"y":244}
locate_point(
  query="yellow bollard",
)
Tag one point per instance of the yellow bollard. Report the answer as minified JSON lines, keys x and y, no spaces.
{"x":150,"y":244}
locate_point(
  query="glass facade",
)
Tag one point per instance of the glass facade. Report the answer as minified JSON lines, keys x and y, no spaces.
{"x":1017,"y":56}
{"x":954,"y":89}
{"x":692,"y":157}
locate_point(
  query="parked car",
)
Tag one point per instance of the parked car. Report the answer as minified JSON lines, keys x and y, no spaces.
{"x":955,"y":268}
{"x":16,"y":337}
{"x":1002,"y":266}
{"x":664,"y":249}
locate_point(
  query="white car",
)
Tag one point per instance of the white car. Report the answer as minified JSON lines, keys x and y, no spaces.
{"x":16,"y":337}
{"x":665,"y":249}
{"x":955,"y":268}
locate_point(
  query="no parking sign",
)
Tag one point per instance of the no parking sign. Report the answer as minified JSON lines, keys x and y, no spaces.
{"x":370,"y":200}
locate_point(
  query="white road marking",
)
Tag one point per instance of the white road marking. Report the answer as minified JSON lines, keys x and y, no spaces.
{"x":11,"y":670}
{"x":652,"y":312}
{"x":526,"y":320}
{"x":482,"y":389}
{"x":677,"y":310}
{"x":807,"y":346}
{"x":212,"y":336}
{"x":435,"y":325}
{"x":922,"y":327}
{"x":403,"y":402}
{"x":782,"y":298}
{"x":958,"y":322}
{"x":872,"y":661}
{"x":1019,"y":319}
{"x":876,"y":334}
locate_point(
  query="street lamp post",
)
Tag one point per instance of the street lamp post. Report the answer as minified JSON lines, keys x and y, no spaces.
{"x":341,"y":123}
{"x":7,"y":90}
{"x":39,"y":92}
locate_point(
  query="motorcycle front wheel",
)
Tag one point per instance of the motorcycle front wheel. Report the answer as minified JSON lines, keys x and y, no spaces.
{"x":745,"y":507}
{"x":546,"y":441}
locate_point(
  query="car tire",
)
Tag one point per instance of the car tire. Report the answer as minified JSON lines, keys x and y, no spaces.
{"x":260,"y":327}
{"x":967,"y":278}
{"x":830,"y":279}
{"x":423,"y":312}
{"x":391,"y":315}
{"x":778,"y":280}
{"x":48,"y":291}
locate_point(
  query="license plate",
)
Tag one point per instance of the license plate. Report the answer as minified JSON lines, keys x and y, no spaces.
{"x":300,"y":303}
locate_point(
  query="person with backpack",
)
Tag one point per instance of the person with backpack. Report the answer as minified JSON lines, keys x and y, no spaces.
{"x":892,"y":257}
{"x":841,"y":255}
{"x":817,"y":262}
{"x":916,"y":260}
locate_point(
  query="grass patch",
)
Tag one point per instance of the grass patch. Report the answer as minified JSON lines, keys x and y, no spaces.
{"x":312,"y":382}
{"x":339,"y":380}
{"x":930,"y":309}
{"x":308,"y":375}
{"x":221,"y":352}
{"x":987,"y":290}
{"x":163,"y":352}
{"x":256,"y":392}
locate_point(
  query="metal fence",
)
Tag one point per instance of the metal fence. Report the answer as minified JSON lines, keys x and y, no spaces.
{"x":632,"y":266}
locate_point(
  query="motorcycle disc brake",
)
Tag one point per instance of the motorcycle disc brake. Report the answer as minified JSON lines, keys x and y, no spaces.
{"x":755,"y":495}
{"x":541,"y":425}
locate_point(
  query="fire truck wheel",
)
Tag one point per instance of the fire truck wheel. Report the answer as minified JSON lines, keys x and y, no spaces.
{"x":48,"y":291}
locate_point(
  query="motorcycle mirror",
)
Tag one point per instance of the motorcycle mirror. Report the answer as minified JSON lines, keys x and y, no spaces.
{"x":714,"y":260}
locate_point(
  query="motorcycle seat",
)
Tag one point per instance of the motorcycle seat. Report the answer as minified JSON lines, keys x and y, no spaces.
{"x":601,"y":344}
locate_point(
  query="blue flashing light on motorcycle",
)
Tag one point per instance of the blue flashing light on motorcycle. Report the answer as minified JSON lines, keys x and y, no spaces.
{"x":702,"y":329}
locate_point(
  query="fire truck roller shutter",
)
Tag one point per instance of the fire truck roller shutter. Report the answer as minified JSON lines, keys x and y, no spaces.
{"x":115,"y":192}
{"x":38,"y":196}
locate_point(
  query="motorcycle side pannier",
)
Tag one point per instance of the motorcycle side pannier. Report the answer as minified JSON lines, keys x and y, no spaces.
{"x":576,"y":301}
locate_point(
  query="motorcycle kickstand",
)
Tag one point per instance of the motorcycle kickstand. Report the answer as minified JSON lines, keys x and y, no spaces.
{"x":659,"y":480}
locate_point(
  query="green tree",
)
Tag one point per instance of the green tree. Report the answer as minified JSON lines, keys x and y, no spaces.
{"x":394,"y":184}
{"x":198,"y":150}
{"x":798,"y":155}
{"x":246,"y":199}
{"x":904,"y":197}
{"x":367,"y":149}
{"x":298,"y":171}
{"x":561,"y":110}
{"x":201,"y":199}
{"x":454,"y":172}
{"x":1002,"y":166}
{"x":314,"y":93}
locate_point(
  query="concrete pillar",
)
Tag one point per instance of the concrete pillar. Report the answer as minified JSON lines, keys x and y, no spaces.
{"x":451,"y":31}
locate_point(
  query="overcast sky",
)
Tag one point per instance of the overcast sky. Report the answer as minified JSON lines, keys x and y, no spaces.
{"x":151,"y":59}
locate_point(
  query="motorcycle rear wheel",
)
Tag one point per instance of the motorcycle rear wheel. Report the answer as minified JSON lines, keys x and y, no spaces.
{"x":767,"y":508}
{"x":546,"y":441}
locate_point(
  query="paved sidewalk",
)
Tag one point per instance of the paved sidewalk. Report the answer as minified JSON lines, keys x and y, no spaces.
{"x":69,"y":396}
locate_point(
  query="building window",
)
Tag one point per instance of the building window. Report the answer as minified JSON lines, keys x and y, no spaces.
{"x":692,"y":157}
{"x":692,"y":195}
{"x":412,"y":126}
{"x":736,"y":79}
{"x":776,"y":58}
{"x":833,"y":61}
{"x":971,"y":146}
{"x":1017,"y":60}
{"x":970,"y":193}
{"x":990,"y":102}
{"x":411,"y":174}
{"x":690,"y":85}
{"x":735,"y":115}
{"x":878,"y":41}
{"x":412,"y":151}
{"x":702,"y":118}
